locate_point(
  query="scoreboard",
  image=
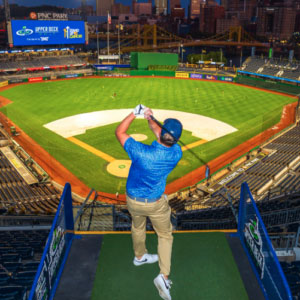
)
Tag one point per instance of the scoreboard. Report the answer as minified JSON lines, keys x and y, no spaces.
{"x":29,"y":32}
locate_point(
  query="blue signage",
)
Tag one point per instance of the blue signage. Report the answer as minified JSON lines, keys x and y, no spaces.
{"x":29,"y":32}
{"x":196,"y":76}
{"x":257,"y":245}
{"x":71,"y":75}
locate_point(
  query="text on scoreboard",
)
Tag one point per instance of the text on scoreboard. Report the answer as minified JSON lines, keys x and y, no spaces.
{"x":28,"y":32}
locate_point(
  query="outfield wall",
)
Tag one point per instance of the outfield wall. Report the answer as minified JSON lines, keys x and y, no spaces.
{"x":142,"y":60}
{"x":268,"y":84}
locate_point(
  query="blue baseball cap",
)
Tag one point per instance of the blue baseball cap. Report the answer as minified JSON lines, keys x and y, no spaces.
{"x":173,"y":127}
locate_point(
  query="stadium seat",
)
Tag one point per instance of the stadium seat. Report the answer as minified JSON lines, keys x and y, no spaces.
{"x":12,"y":292}
{"x":25,"y":252}
{"x":4,"y":278}
{"x":12,"y":266}
{"x":24,"y":278}
{"x":30,"y":266}
{"x":5,"y":257}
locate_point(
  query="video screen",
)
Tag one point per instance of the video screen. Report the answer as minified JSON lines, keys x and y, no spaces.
{"x":28,"y":32}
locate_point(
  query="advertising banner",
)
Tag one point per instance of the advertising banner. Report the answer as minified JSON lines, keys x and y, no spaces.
{"x":107,"y":68}
{"x":71,"y":75}
{"x":35,"y":50}
{"x":56,"y":250}
{"x":3,"y":83}
{"x":16,"y":80}
{"x":35,"y":79}
{"x":223,"y":78}
{"x":196,"y":76}
{"x":258,"y":247}
{"x":210,"y":77}
{"x":28,"y":32}
{"x":182,"y":75}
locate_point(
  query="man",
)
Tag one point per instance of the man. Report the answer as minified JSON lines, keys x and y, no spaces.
{"x":145,"y":186}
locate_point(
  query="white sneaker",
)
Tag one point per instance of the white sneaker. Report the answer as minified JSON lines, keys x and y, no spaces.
{"x":146,"y":259}
{"x":163,"y":285}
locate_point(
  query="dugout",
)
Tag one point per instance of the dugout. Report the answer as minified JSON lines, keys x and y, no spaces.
{"x":142,"y":60}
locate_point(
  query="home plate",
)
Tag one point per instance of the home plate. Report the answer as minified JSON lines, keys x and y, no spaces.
{"x":119,"y":168}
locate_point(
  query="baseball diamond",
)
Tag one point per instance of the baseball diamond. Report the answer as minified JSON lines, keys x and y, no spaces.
{"x":74,"y":120}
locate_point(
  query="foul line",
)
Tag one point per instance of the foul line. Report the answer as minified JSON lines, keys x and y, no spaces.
{"x":193,"y":145}
{"x":91,"y":149}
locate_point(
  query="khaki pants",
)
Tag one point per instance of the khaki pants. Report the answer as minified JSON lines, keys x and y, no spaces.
{"x":159,"y":213}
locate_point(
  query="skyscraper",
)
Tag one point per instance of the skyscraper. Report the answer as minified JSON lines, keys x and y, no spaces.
{"x":195,"y":8}
{"x":174,"y":3}
{"x":161,"y":7}
{"x":278,"y":20}
{"x":103,"y":6}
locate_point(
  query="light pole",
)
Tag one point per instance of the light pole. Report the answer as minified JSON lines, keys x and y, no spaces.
{"x":119,"y":42}
{"x":97,"y":45}
{"x":241,"y":58}
{"x":181,"y":46}
{"x":108,"y":22}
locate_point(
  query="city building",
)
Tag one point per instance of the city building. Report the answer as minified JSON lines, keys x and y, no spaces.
{"x":173,"y":4}
{"x":119,"y":8}
{"x":195,"y":8}
{"x":210,"y":14}
{"x":244,"y":10}
{"x":142,"y":8}
{"x":223,"y":25}
{"x":177,"y":12}
{"x":161,"y":7}
{"x":123,"y":18}
{"x":103,"y":6}
{"x":278,"y":20}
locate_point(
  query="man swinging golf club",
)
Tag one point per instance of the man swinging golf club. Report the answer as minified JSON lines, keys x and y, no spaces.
{"x":151,"y":165}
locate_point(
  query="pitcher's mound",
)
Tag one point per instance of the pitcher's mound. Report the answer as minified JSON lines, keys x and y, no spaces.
{"x":139,"y":137}
{"x":119,"y":168}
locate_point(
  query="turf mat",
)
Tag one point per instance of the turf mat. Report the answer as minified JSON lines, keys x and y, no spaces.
{"x":202,"y":268}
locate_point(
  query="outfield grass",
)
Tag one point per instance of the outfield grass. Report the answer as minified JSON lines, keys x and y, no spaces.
{"x":250,"y":111}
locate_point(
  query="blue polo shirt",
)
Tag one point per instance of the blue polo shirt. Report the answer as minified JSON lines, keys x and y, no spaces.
{"x":151,"y":165}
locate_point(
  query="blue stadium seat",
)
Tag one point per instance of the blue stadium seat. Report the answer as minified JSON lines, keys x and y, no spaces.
{"x":24,"y":278}
{"x":4,"y":250}
{"x":4,"y":278}
{"x":25,"y":252}
{"x":12,"y":292}
{"x":12,"y":266}
{"x":10,"y":257}
{"x":30,"y":266}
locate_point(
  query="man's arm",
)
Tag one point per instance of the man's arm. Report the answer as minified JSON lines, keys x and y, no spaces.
{"x":153,"y":126}
{"x":120,"y":132}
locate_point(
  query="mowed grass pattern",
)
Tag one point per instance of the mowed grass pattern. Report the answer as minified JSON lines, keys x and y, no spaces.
{"x":250,"y":111}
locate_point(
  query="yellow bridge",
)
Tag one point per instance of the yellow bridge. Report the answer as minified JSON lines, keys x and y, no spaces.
{"x":152,"y":37}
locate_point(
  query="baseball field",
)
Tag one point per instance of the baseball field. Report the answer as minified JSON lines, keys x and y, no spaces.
{"x":74,"y":120}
